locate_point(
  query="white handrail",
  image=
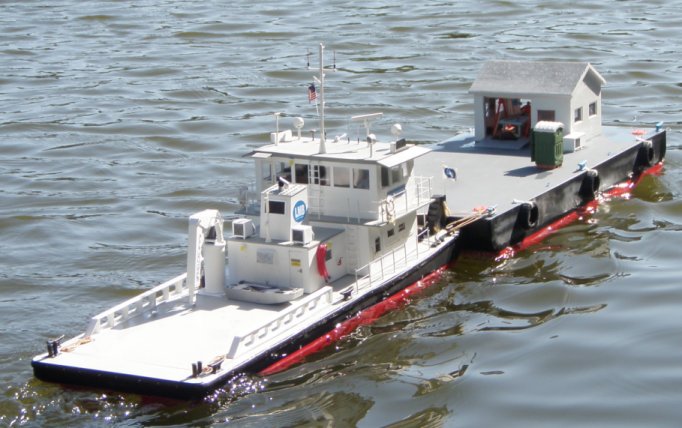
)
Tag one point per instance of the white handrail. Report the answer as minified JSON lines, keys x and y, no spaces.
{"x":266,"y":332}
{"x":139,"y":304}
{"x":387,"y":264}
{"x":415,"y":193}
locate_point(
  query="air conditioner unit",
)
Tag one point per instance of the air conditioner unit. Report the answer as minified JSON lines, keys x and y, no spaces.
{"x":243,"y":228}
{"x":572,"y":142}
{"x":302,"y":234}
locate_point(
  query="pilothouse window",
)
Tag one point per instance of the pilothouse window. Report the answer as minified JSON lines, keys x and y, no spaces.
{"x":283,"y":170}
{"x":385,"y":177}
{"x":320,"y":175}
{"x":360,"y":178}
{"x":396,"y":174}
{"x":301,"y":173}
{"x":266,"y":173}
{"x":341,"y":176}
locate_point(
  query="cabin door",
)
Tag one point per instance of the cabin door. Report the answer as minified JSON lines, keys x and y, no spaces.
{"x":296,"y":260}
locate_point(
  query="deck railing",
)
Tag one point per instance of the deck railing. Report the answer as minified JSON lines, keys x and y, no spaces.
{"x":244,"y":342}
{"x":390,"y":263}
{"x":147,"y":301}
{"x":416,"y":193}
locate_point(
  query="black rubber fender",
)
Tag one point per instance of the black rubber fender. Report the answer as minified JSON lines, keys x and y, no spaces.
{"x":436,"y":217}
{"x":529,"y":214}
{"x":589,"y":188}
{"x":646,"y":155}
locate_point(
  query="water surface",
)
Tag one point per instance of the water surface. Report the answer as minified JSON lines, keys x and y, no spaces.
{"x":120,"y":119}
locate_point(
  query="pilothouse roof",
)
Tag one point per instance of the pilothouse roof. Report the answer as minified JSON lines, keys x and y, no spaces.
{"x":341,"y":151}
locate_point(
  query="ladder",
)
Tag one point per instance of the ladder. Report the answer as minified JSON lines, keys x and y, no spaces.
{"x":315,"y":190}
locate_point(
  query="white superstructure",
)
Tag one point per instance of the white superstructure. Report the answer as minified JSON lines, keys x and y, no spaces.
{"x":341,"y":224}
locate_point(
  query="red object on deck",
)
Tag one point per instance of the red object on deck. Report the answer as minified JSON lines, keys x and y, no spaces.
{"x":322,"y":261}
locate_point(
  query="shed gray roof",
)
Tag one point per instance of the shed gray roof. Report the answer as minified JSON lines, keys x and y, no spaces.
{"x":532,"y":77}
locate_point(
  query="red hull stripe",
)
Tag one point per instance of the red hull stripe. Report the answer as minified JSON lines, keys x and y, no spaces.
{"x":365,"y":317}
{"x":402,"y":297}
{"x":619,"y":190}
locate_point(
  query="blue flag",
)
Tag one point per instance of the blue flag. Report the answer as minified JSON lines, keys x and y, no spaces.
{"x":450,"y":173}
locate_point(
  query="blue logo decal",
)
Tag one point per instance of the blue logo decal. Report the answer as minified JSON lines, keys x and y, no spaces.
{"x":300,"y":211}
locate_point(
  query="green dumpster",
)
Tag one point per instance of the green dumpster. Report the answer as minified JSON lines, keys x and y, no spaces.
{"x":547,"y":144}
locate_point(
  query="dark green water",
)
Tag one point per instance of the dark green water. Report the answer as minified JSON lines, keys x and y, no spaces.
{"x":119,"y":119}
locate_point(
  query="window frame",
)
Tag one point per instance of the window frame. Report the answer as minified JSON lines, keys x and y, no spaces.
{"x":592,"y":109}
{"x":281,"y":207}
{"x":358,"y":176}
{"x":336,"y":176}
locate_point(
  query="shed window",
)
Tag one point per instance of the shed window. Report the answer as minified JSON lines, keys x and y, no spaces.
{"x":593,"y":109}
{"x":578,"y":114}
{"x":547,"y":115}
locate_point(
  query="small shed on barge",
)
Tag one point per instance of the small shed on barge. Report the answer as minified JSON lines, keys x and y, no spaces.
{"x":510,"y":97}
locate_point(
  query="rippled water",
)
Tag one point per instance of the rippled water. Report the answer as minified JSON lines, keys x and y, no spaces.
{"x":119,"y":119}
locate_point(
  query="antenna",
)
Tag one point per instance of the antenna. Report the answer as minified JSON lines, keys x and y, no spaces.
{"x":323,"y":134}
{"x":277,"y":114}
{"x":367,"y":120}
{"x":320,"y":80}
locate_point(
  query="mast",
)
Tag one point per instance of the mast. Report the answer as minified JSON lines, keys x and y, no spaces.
{"x":323,"y":147}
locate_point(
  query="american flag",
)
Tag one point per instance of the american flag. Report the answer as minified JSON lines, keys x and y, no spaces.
{"x":312,"y":94}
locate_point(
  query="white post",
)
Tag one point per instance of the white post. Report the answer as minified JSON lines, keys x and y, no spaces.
{"x":193,"y":257}
{"x":266,"y":202}
{"x":199,"y":224}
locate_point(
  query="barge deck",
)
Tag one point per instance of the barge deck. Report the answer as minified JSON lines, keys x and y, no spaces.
{"x":523,"y":197}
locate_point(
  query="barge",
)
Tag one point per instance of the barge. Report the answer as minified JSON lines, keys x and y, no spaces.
{"x":341,"y":226}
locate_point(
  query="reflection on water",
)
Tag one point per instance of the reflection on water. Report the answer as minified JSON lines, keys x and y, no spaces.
{"x":119,"y":120}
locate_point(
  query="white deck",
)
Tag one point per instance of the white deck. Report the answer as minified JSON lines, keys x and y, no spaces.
{"x":163,"y":336}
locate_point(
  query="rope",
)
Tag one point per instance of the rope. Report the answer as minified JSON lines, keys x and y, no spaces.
{"x":465,"y":221}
